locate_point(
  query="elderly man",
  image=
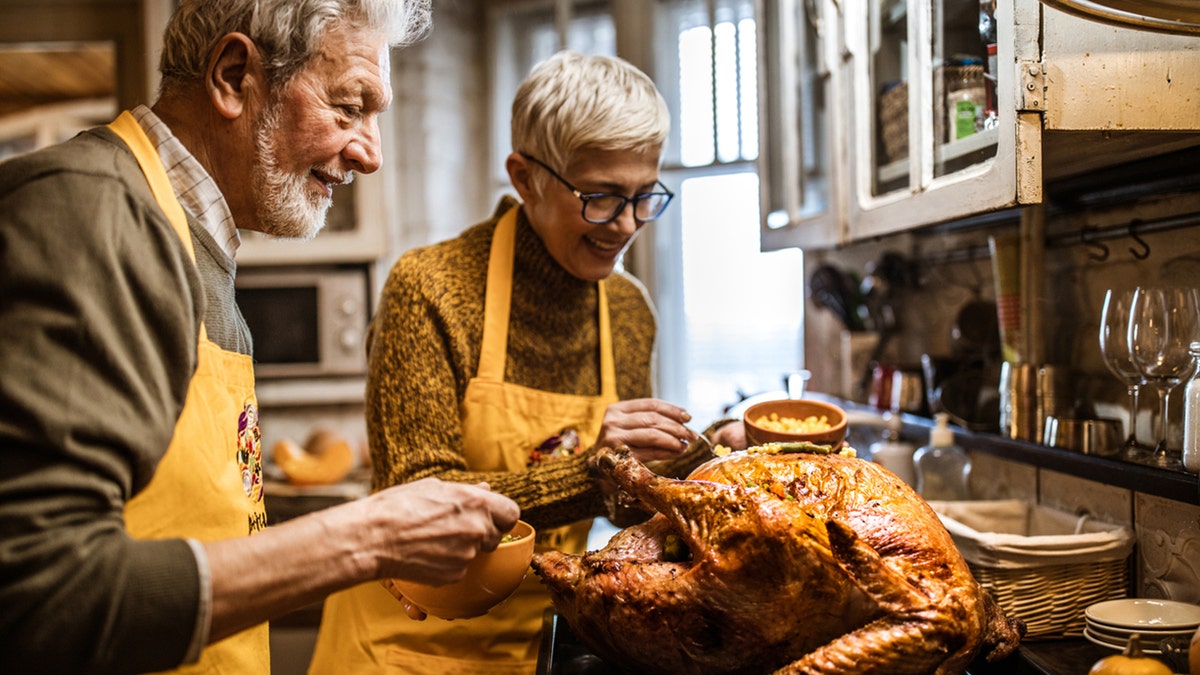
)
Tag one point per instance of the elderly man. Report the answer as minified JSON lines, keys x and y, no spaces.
{"x":131,"y":519}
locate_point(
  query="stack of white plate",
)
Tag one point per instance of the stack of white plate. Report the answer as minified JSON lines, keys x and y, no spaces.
{"x":1110,"y":623}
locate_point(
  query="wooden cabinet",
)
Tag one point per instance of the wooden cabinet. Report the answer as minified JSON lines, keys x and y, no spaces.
{"x":859,"y":101}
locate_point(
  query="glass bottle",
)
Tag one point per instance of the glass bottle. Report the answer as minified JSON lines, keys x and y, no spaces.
{"x":943,"y":469}
{"x":1191,"y":416}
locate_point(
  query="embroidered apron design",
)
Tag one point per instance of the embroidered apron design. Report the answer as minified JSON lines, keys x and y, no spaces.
{"x":208,"y":485}
{"x":502,"y":425}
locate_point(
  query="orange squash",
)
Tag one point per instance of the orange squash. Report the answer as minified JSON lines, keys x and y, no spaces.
{"x":327,"y":459}
{"x":1194,"y":654}
{"x":1130,"y":662}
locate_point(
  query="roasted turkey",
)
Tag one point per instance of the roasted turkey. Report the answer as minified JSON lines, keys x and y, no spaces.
{"x":790,"y":562}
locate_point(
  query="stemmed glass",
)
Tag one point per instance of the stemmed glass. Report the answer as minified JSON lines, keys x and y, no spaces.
{"x":1163,"y":322}
{"x":1114,"y":345}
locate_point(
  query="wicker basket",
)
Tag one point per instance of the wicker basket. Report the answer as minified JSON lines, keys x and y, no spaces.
{"x":1043,"y":566}
{"x":893,"y":122}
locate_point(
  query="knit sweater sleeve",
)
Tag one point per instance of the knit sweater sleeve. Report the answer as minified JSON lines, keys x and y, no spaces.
{"x":98,"y":325}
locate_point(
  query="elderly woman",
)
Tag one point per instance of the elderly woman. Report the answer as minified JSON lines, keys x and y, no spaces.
{"x":508,"y":354}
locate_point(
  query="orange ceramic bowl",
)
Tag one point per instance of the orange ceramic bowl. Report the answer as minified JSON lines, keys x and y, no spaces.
{"x":491,"y":577}
{"x":760,"y":430}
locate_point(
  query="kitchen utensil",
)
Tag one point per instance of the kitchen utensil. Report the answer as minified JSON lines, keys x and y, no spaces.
{"x":976,"y":330}
{"x":1090,"y":436}
{"x":1018,"y":401}
{"x":491,"y":577}
{"x":1055,"y":396}
{"x":972,"y":398}
{"x":831,"y":289}
{"x":908,"y":391}
{"x":759,"y":431}
{"x":935,"y":370}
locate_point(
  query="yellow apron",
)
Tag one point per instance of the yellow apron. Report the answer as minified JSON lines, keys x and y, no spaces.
{"x":367,"y":626}
{"x":208,"y":485}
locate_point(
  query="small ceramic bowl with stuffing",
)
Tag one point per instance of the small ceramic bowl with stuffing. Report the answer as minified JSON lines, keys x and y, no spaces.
{"x":491,"y":577}
{"x":795,"y":420}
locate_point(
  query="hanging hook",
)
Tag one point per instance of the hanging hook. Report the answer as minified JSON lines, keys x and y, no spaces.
{"x":1100,"y":251}
{"x":1145,"y":252}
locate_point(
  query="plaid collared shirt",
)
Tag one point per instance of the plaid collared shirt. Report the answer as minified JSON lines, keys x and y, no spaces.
{"x":196,"y":190}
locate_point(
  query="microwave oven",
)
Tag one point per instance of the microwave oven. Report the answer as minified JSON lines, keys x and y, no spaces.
{"x":305,"y":322}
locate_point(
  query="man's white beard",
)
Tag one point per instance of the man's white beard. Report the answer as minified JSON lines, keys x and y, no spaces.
{"x":285,"y":207}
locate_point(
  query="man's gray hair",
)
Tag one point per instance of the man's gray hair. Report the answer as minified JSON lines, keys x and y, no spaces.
{"x":571,"y":102}
{"x":287,"y":32}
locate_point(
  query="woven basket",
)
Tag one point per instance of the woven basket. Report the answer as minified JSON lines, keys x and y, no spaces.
{"x":893,"y":122}
{"x":1043,"y":566}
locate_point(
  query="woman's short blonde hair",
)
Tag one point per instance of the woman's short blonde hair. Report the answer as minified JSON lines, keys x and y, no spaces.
{"x":570,"y":102}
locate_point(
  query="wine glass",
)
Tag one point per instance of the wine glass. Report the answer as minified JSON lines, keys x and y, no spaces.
{"x":1163,"y":322}
{"x":1114,"y":346}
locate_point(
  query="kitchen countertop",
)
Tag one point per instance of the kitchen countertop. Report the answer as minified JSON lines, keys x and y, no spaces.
{"x":563,"y":654}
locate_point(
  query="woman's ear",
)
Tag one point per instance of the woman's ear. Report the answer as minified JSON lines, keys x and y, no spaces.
{"x":230,"y":73}
{"x":520,"y":173}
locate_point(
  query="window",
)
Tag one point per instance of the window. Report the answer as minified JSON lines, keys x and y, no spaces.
{"x":729,"y":314}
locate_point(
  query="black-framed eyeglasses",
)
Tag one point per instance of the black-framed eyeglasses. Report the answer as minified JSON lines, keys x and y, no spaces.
{"x":604,"y":207}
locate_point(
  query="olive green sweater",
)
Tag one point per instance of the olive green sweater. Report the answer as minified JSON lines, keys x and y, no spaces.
{"x":424,"y":348}
{"x":100,"y":308}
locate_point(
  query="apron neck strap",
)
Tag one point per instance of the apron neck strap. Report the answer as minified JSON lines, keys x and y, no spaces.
{"x":127,"y":128}
{"x":143,"y":150}
{"x":493,"y":353}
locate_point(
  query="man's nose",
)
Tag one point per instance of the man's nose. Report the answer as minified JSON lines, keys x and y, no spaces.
{"x":365,"y":149}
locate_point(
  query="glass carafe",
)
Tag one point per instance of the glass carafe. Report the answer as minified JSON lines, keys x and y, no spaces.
{"x":1191,"y":416}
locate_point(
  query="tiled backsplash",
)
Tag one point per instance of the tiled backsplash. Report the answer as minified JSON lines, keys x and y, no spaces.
{"x":1168,"y":544}
{"x":1167,"y":553}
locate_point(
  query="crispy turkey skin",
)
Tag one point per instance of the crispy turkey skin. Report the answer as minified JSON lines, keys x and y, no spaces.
{"x":777,"y":562}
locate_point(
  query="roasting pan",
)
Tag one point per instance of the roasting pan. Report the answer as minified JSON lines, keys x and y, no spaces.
{"x":561,"y":653}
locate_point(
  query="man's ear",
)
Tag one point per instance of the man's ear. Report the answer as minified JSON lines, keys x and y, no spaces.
{"x":229,"y":73}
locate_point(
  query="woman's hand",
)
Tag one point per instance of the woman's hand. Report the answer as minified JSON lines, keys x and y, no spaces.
{"x":731,"y":435}
{"x":650,"y":428}
{"x":413,"y":610}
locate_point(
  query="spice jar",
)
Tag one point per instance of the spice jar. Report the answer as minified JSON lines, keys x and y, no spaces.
{"x":1191,"y":416}
{"x":965,"y":100}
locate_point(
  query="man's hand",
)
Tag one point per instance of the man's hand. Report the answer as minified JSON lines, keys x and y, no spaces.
{"x":429,"y":530}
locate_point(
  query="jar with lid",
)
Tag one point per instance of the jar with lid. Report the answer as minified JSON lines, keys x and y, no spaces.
{"x":1191,"y":416}
{"x":965,"y":99}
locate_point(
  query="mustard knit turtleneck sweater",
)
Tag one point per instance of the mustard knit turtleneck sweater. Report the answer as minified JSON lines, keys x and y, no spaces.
{"x":424,"y":348}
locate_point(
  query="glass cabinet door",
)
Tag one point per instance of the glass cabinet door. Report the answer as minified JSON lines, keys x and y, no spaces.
{"x":965,"y":119}
{"x":934,"y":112}
{"x":884,"y":115}
{"x":801,"y":127}
{"x":957,"y":92}
{"x":888,"y":78}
